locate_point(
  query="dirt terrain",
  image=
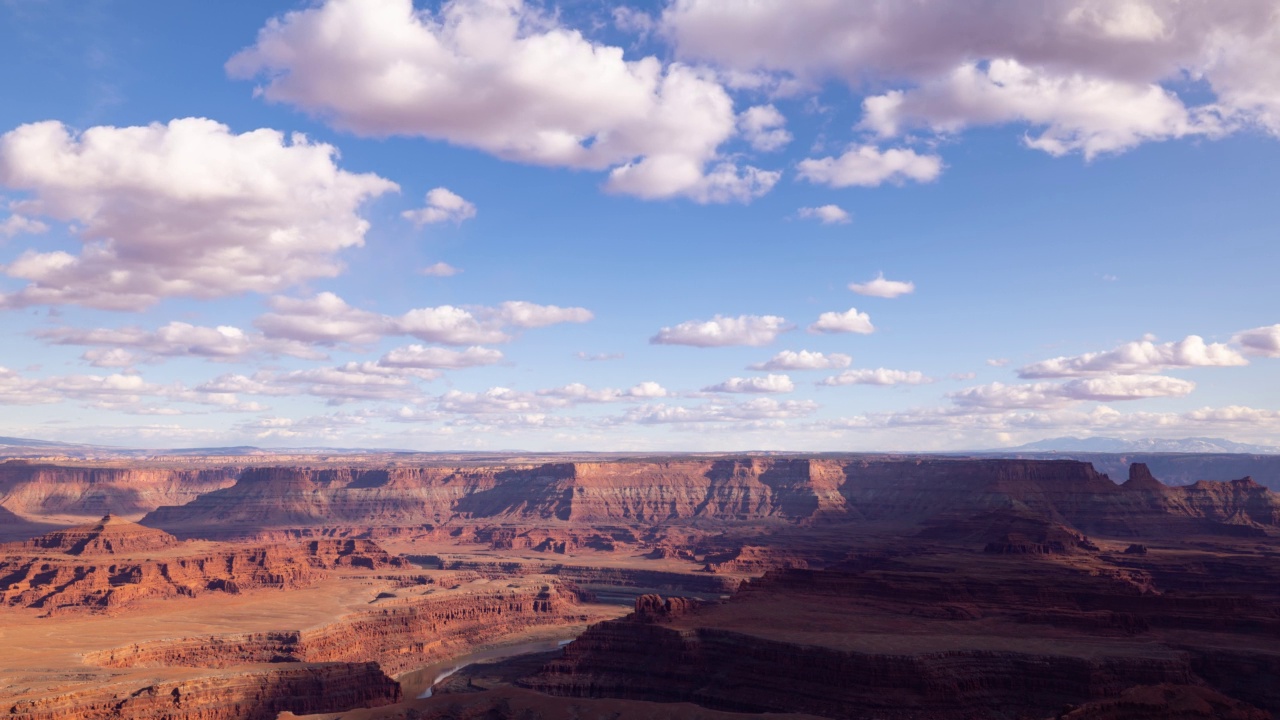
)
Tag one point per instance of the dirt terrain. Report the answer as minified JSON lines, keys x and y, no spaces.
{"x":697,"y":587}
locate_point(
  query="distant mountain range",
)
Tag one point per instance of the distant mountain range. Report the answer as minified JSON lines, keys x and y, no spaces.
{"x":1143,"y":445}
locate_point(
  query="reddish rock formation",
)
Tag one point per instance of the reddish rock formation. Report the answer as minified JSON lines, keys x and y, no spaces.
{"x":108,"y":536}
{"x":624,"y":495}
{"x":247,"y":695}
{"x":399,"y":635}
{"x":111,"y":564}
{"x":936,"y":636}
{"x":42,"y":491}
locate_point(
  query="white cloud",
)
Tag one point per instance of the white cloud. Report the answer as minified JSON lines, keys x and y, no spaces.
{"x":449,"y":325}
{"x":328,"y":320}
{"x":1089,"y":72}
{"x":648,"y":389}
{"x":178,"y":339}
{"x":183,"y":209}
{"x":1080,"y":113}
{"x":419,"y":356}
{"x":598,"y":357}
{"x":997,"y":362}
{"x":827,"y":214}
{"x":110,"y":358}
{"x":804,"y":360}
{"x":518,"y":313}
{"x":493,"y":400}
{"x":722,"y":331}
{"x":764,"y":128}
{"x":1263,"y":341}
{"x":850,"y":321}
{"x":767,"y":384}
{"x":579,"y":393}
{"x":119,"y":392}
{"x":868,"y":166}
{"x":1046,"y":395}
{"x":721,"y":412}
{"x":882,"y":288}
{"x":355,"y":381}
{"x":508,"y":79}
{"x":19,"y":225}
{"x":440,"y":269}
{"x":325,"y":319}
{"x":879,"y":376}
{"x":1138,"y":358}
{"x":442,"y":205}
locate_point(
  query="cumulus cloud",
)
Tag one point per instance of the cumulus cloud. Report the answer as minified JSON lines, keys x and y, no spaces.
{"x":721,"y":412}
{"x":1094,"y":76}
{"x":442,"y":205}
{"x":764,"y":127}
{"x":869,"y":166}
{"x":766,"y":384}
{"x":882,"y":288}
{"x":328,"y":320}
{"x":721,"y":331}
{"x":184,"y":209}
{"x":826,"y":214}
{"x":506,"y":78}
{"x":879,"y":376}
{"x":121,"y":392}
{"x":804,"y":360}
{"x":579,"y":393}
{"x":355,"y":381}
{"x":449,"y":325}
{"x":1045,"y":395}
{"x":15,"y":225}
{"x":325,"y":319}
{"x":849,"y":321}
{"x":1080,"y":113}
{"x":1138,"y":357}
{"x":177,"y":339}
{"x":521,"y":314}
{"x":1263,"y":341}
{"x":493,"y":400}
{"x":440,"y":269}
{"x":419,"y":356}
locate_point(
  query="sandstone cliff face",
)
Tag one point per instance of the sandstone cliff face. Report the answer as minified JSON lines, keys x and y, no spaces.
{"x":398,"y":635}
{"x":111,"y":564}
{"x":247,"y":695}
{"x":40,"y":491}
{"x":631,"y":494}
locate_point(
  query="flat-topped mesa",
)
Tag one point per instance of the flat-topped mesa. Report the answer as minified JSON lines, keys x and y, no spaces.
{"x":109,"y":536}
{"x":54,"y":492}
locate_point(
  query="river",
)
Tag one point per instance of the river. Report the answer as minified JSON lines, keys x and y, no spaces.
{"x":419,"y":683}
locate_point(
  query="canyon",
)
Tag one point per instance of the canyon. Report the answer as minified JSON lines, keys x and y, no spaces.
{"x":840,"y":586}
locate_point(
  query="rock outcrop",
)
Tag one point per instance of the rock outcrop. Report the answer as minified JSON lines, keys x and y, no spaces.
{"x":621,"y":496}
{"x":937,"y":636}
{"x":111,"y":564}
{"x":248,"y":695}
{"x":108,"y":536}
{"x":56,"y":492}
{"x":398,"y":635}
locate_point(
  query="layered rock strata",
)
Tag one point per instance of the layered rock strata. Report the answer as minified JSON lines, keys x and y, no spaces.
{"x":259,"y":694}
{"x":398,"y":635}
{"x":631,"y":494}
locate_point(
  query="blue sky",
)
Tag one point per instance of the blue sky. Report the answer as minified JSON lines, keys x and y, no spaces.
{"x":488,"y":224}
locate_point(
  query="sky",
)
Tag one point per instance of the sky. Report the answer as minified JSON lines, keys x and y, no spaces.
{"x":677,"y":225}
